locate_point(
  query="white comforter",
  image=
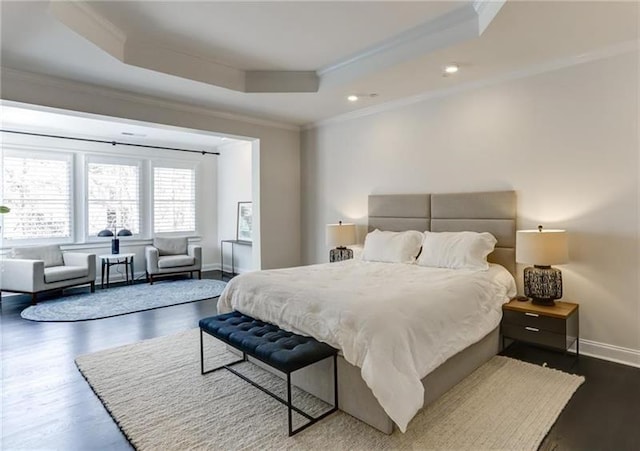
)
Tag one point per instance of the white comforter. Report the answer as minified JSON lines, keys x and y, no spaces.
{"x":397,"y":322}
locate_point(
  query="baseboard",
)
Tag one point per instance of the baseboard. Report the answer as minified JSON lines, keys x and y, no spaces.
{"x":612,"y":353}
{"x":227,"y":268}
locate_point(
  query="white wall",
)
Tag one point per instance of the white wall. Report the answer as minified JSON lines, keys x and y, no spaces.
{"x":276,"y":157}
{"x":566,"y":141}
{"x":234,"y":185}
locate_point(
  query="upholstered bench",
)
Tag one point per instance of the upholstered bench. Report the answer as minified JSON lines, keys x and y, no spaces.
{"x":279,"y":349}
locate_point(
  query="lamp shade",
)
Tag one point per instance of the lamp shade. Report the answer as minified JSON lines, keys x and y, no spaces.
{"x":542,"y":247}
{"x":341,"y":234}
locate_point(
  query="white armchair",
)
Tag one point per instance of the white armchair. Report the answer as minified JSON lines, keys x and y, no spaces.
{"x":172,"y":256}
{"x":36,"y":269}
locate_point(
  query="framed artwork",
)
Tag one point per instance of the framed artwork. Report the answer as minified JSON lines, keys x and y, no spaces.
{"x":245,"y":221}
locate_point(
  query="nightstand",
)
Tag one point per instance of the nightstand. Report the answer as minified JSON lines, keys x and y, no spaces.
{"x":554,"y":327}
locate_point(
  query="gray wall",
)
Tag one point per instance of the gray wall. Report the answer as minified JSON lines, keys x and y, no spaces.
{"x":234,"y":185}
{"x":566,"y":141}
{"x":277,"y":164}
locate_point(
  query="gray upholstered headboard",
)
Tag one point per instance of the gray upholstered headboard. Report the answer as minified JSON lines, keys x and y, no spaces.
{"x":493,"y":212}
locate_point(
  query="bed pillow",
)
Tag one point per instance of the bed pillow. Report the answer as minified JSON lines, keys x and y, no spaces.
{"x":457,"y":250}
{"x":392,"y":247}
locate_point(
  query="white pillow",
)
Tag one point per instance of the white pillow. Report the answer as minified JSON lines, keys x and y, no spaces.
{"x":392,"y":247}
{"x":457,"y":250}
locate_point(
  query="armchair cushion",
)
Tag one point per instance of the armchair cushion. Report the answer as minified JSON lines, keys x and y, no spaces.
{"x":60,"y":273}
{"x":171,"y":246}
{"x":51,"y":255}
{"x":172,"y":261}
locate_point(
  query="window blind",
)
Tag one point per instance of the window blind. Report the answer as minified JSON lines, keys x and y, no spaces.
{"x":38,"y":191}
{"x":174,"y":200}
{"x":113,"y":197}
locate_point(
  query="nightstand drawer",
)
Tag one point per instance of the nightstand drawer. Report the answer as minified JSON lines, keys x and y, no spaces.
{"x":535,"y":320}
{"x":534,"y":335}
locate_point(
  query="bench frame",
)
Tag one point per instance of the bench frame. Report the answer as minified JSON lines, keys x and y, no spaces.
{"x":287,"y":402}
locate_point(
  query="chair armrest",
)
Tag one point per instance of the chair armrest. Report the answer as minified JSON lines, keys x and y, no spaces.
{"x":151,"y":257}
{"x":22,"y":275}
{"x":195,"y":251}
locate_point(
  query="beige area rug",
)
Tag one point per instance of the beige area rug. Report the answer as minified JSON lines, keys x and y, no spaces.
{"x":156,"y":394}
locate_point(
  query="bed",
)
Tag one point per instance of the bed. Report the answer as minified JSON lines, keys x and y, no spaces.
{"x":401,"y":349}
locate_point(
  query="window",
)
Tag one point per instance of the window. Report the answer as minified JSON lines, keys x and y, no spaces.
{"x":37,"y":188}
{"x":174,"y":199}
{"x":113,"y":196}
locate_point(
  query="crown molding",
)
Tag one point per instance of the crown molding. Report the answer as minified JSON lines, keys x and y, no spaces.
{"x":82,"y":18}
{"x":467,"y":21}
{"x":539,"y":68}
{"x":461,"y":14}
{"x":86,"y":88}
{"x":167,"y":61}
{"x":487,"y":10}
{"x":458,"y":25}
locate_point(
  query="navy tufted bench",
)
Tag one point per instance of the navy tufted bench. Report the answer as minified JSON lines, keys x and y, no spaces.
{"x":282,"y":350}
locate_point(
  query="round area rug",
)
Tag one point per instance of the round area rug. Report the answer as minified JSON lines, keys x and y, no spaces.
{"x":122,"y":300}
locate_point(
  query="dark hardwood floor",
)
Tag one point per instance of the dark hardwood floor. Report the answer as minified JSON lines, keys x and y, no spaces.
{"x":603,"y":414}
{"x":46,"y":403}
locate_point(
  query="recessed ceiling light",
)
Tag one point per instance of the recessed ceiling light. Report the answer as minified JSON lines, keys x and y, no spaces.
{"x":352,"y":98}
{"x":451,"y":68}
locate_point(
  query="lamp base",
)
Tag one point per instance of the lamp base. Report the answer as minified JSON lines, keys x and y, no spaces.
{"x":545,"y":302}
{"x":543,"y":284}
{"x":339,"y":254}
{"x":115,"y":246}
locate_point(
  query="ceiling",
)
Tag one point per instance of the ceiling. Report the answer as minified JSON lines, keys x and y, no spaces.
{"x":208,"y":53}
{"x":84,"y":126}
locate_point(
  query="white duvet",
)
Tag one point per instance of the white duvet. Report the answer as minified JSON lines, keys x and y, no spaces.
{"x":395,"y":321}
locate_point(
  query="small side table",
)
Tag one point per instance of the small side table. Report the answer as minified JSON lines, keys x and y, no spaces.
{"x":233,"y":244}
{"x":109,"y":260}
{"x":554,"y":327}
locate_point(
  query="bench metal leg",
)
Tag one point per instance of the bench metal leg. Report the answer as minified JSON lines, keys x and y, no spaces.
{"x":288,"y":402}
{"x":226,"y":366}
{"x":318,"y":418}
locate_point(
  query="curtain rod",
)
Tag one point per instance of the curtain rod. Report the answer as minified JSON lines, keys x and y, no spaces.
{"x":113,"y":143}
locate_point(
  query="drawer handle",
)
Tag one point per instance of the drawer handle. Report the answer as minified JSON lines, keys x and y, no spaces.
{"x":535,"y":315}
{"x":532,"y":329}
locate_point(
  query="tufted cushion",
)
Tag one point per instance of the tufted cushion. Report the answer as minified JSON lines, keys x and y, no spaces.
{"x":282,"y":350}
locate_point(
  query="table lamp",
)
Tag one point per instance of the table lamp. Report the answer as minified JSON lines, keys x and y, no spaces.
{"x":542,"y":248}
{"x":115,"y":242}
{"x":340,"y":235}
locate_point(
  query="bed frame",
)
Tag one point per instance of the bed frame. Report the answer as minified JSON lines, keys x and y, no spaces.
{"x":493,"y":212}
